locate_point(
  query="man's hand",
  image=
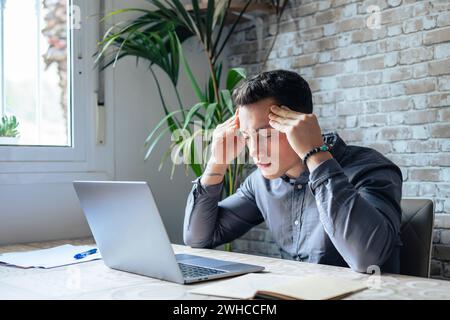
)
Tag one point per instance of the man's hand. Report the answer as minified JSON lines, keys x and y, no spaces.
{"x":226,"y":145}
{"x":302,"y":132}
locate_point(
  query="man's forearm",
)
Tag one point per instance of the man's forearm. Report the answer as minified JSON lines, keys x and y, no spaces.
{"x":213,"y":174}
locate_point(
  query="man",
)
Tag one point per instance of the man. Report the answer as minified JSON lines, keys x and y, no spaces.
{"x":322,"y":200}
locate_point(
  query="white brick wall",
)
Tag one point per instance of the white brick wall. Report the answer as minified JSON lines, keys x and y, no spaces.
{"x":386,"y":88}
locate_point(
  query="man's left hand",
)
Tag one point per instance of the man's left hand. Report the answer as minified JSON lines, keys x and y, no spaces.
{"x":302,"y":130}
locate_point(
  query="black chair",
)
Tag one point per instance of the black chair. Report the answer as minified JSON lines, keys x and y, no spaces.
{"x":417,"y":237}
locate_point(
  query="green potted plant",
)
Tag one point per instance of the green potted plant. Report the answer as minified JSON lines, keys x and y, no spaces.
{"x":9,"y":135}
{"x":157,"y":36}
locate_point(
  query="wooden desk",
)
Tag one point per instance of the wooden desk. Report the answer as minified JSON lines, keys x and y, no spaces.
{"x":93,"y":280}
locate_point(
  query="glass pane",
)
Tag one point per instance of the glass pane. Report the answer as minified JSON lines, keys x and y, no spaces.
{"x":36,"y":71}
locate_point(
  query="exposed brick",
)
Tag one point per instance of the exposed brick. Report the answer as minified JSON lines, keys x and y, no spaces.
{"x":397,"y":14}
{"x":424,"y":174}
{"x":440,"y":130}
{"x":441,"y":67}
{"x":445,"y":237}
{"x":443,"y":19}
{"x":399,"y":104}
{"x":349,"y":52}
{"x":372,"y":120}
{"x":350,"y":81}
{"x":396,"y":118}
{"x":443,"y":189}
{"x":400,"y":42}
{"x":305,"y":9}
{"x":415,"y":146}
{"x":371,"y":63}
{"x":420,"y":70}
{"x":442,"y":221}
{"x":415,"y":55}
{"x":410,"y":189}
{"x":439,"y":100}
{"x":418,"y":24}
{"x":325,"y":17}
{"x":351,"y":135}
{"x":350,"y":24}
{"x":420,"y":132}
{"x":349,"y":108}
{"x":424,"y":116}
{"x":427,"y":189}
{"x":378,"y":62}
{"x":397,"y":74}
{"x":328,"y":70}
{"x":368,"y":35}
{"x":444,"y":115}
{"x":441,"y":252}
{"x":444,"y":83}
{"x":419,"y":86}
{"x":440,"y":160}
{"x":382,"y":147}
{"x":373,"y":78}
{"x":442,"y":51}
{"x":375,"y":92}
{"x":305,"y":60}
{"x":437,"y":36}
{"x":395,"y":133}
{"x":394,"y":30}
{"x":409,"y":160}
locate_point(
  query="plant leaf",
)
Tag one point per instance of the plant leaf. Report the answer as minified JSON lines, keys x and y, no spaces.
{"x":234,"y":76}
{"x":189,"y":73}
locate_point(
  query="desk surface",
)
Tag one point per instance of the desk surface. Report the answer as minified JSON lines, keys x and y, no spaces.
{"x":93,"y":280}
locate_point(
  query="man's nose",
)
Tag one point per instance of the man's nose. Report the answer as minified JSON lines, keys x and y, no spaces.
{"x":257,"y":148}
{"x":253,"y":147}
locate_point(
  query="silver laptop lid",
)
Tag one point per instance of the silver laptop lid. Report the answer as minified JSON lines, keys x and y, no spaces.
{"x":127,"y":228}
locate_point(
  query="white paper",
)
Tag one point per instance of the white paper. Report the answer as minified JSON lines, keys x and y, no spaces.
{"x":48,"y":258}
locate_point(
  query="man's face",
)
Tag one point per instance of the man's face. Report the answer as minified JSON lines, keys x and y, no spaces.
{"x":268,"y":147}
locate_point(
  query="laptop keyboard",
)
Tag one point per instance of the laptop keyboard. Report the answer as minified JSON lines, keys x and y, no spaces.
{"x":190,"y":271}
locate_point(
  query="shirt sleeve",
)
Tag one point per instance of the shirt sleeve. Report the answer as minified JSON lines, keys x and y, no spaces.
{"x":210,"y":222}
{"x":361,"y":218}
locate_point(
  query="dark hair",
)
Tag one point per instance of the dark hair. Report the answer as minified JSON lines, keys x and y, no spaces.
{"x":287,"y":88}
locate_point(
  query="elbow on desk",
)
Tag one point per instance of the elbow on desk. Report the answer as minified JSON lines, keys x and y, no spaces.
{"x":190,"y":241}
{"x":369,"y":261}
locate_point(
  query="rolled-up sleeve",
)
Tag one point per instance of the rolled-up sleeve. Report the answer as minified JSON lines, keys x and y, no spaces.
{"x":210,"y":222}
{"x":362,"y":217}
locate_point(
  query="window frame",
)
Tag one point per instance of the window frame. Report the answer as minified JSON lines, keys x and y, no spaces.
{"x":85,"y":157}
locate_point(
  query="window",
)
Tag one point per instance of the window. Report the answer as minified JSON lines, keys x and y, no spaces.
{"x":36,"y":71}
{"x":48,"y":81}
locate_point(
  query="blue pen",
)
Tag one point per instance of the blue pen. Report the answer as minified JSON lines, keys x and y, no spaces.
{"x":85,"y":254}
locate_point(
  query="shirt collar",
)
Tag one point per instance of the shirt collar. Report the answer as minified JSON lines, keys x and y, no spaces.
{"x":337,"y":151}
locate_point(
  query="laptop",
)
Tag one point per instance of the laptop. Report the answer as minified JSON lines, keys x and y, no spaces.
{"x":131,"y":237}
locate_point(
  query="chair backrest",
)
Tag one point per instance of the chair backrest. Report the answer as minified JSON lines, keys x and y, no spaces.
{"x":417,"y":237}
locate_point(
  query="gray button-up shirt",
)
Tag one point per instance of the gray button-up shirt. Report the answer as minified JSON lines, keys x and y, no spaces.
{"x":346,"y":212}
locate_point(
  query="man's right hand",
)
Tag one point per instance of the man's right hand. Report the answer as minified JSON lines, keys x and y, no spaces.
{"x":226,"y":145}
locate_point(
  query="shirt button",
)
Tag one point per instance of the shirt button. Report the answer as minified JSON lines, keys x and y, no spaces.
{"x":296,"y":222}
{"x":299,"y":186}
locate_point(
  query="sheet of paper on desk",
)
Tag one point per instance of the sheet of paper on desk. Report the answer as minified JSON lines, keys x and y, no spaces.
{"x":48,"y":258}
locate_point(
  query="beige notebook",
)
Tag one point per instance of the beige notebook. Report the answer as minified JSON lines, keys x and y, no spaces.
{"x":272,"y":286}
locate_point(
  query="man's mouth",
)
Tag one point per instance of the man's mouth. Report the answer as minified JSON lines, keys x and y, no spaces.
{"x":263,"y":165}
